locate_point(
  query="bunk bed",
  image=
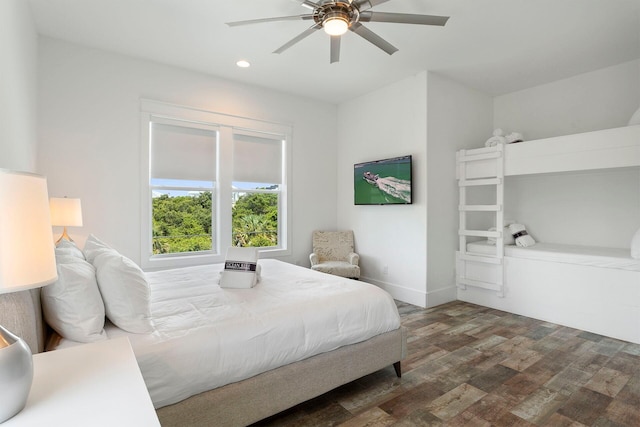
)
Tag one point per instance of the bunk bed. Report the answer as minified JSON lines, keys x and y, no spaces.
{"x":590,"y":288}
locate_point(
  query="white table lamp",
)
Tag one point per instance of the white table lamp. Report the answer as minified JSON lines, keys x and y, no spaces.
{"x":27,"y":261}
{"x":65,"y":213}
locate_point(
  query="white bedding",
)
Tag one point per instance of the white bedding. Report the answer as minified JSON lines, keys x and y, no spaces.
{"x":206,"y":337}
{"x":572,"y":254}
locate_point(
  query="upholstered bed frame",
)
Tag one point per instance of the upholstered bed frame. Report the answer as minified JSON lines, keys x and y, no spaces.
{"x":246,"y":401}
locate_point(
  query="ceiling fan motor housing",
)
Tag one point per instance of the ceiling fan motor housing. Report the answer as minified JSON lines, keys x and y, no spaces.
{"x":341,"y":10}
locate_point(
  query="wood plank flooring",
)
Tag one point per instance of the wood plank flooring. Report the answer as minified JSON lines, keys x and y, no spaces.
{"x":469,"y":365}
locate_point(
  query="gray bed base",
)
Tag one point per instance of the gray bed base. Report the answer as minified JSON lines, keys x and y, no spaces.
{"x":246,"y":401}
{"x":256,"y":398}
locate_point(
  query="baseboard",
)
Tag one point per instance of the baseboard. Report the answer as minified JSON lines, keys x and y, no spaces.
{"x":410,"y":296}
{"x":442,"y":296}
{"x":415,"y":297}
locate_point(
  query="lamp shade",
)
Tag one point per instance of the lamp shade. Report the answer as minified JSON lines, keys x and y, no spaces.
{"x":27,"y":257}
{"x":65,"y":212}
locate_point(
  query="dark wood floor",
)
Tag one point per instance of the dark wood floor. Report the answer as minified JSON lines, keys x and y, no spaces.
{"x":469,"y":365}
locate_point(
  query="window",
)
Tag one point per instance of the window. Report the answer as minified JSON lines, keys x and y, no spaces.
{"x":257,"y":186}
{"x":182,"y":177}
{"x":211,"y":181}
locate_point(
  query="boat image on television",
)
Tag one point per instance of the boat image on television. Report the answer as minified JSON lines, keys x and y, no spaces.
{"x":371,"y":178}
{"x":383,"y":182}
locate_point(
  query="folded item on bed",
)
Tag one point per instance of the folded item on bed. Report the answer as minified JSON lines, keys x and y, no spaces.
{"x":521,"y":236}
{"x":240,"y":268}
{"x":206,"y":336}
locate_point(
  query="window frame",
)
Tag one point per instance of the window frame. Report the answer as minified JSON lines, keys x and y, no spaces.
{"x":226,"y":126}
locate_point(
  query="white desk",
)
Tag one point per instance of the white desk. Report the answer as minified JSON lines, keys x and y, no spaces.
{"x":96,"y":384}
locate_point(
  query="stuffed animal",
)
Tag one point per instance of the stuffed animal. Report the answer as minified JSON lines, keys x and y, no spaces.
{"x":496,"y":139}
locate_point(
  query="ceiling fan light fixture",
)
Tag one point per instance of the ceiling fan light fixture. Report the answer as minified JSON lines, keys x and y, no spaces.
{"x":335,"y":25}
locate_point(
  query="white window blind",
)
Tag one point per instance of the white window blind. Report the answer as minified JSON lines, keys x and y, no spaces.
{"x":181,"y":152}
{"x":257,"y":159}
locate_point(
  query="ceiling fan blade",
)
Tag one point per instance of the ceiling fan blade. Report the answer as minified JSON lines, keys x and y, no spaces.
{"x":335,"y":49}
{"x":403,"y":18}
{"x":308,"y":4}
{"x":297,"y":38}
{"x":373,"y":38}
{"x":279,"y":18}
{"x":368,"y":4}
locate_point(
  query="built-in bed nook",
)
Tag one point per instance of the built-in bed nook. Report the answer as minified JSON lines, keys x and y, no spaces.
{"x":592,"y":288}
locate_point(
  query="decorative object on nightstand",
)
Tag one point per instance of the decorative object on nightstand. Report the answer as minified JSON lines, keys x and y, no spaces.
{"x":65,"y":213}
{"x":27,"y":261}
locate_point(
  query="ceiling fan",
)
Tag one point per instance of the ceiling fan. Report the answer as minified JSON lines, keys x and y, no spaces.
{"x":337,"y":17}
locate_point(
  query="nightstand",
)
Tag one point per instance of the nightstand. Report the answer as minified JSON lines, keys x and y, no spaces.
{"x":97,"y":384}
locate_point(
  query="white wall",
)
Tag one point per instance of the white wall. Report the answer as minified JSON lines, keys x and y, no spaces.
{"x":458,"y":117}
{"x":388,"y":122}
{"x":90,"y":137}
{"x":18,"y":86}
{"x":602,"y":99}
{"x":601,"y":208}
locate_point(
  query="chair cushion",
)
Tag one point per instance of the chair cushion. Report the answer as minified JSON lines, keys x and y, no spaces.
{"x":338,"y":268}
{"x":333,"y":245}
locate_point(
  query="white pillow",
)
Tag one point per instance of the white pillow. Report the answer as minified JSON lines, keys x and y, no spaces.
{"x":66,"y":247}
{"x":124,"y":290}
{"x":93,"y":247}
{"x":72,"y":305}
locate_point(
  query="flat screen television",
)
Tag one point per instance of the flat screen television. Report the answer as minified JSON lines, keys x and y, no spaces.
{"x":383,"y":182}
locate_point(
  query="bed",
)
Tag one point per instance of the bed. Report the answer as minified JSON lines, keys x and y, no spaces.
{"x":235,"y":356}
{"x":596,"y":289}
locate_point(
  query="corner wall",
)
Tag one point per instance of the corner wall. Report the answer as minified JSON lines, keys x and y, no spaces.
{"x":458,"y":118}
{"x":391,"y":239}
{"x":409,"y":250}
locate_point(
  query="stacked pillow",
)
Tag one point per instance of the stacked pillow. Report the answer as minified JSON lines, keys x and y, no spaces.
{"x":124,"y":288}
{"x":92,"y":284}
{"x":72,"y":306}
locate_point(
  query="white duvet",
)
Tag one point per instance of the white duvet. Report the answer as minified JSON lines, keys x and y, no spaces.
{"x":206,"y":336}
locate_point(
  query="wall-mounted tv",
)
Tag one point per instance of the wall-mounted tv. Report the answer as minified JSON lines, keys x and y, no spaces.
{"x":383,"y":182}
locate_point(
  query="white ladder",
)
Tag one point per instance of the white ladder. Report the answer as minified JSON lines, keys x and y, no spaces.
{"x":481,"y":167}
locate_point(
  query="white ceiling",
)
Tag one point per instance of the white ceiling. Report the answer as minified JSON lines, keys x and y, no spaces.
{"x":495,"y":46}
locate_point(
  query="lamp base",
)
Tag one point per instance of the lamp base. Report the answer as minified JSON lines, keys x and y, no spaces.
{"x":64,"y":236}
{"x":16,"y":374}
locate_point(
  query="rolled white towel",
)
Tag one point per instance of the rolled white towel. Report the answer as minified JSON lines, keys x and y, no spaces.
{"x":521,"y":236}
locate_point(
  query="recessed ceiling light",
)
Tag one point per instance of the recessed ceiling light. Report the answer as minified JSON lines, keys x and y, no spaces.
{"x":243,"y":64}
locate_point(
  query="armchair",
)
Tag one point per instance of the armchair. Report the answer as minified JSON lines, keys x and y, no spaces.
{"x":333,"y":253}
